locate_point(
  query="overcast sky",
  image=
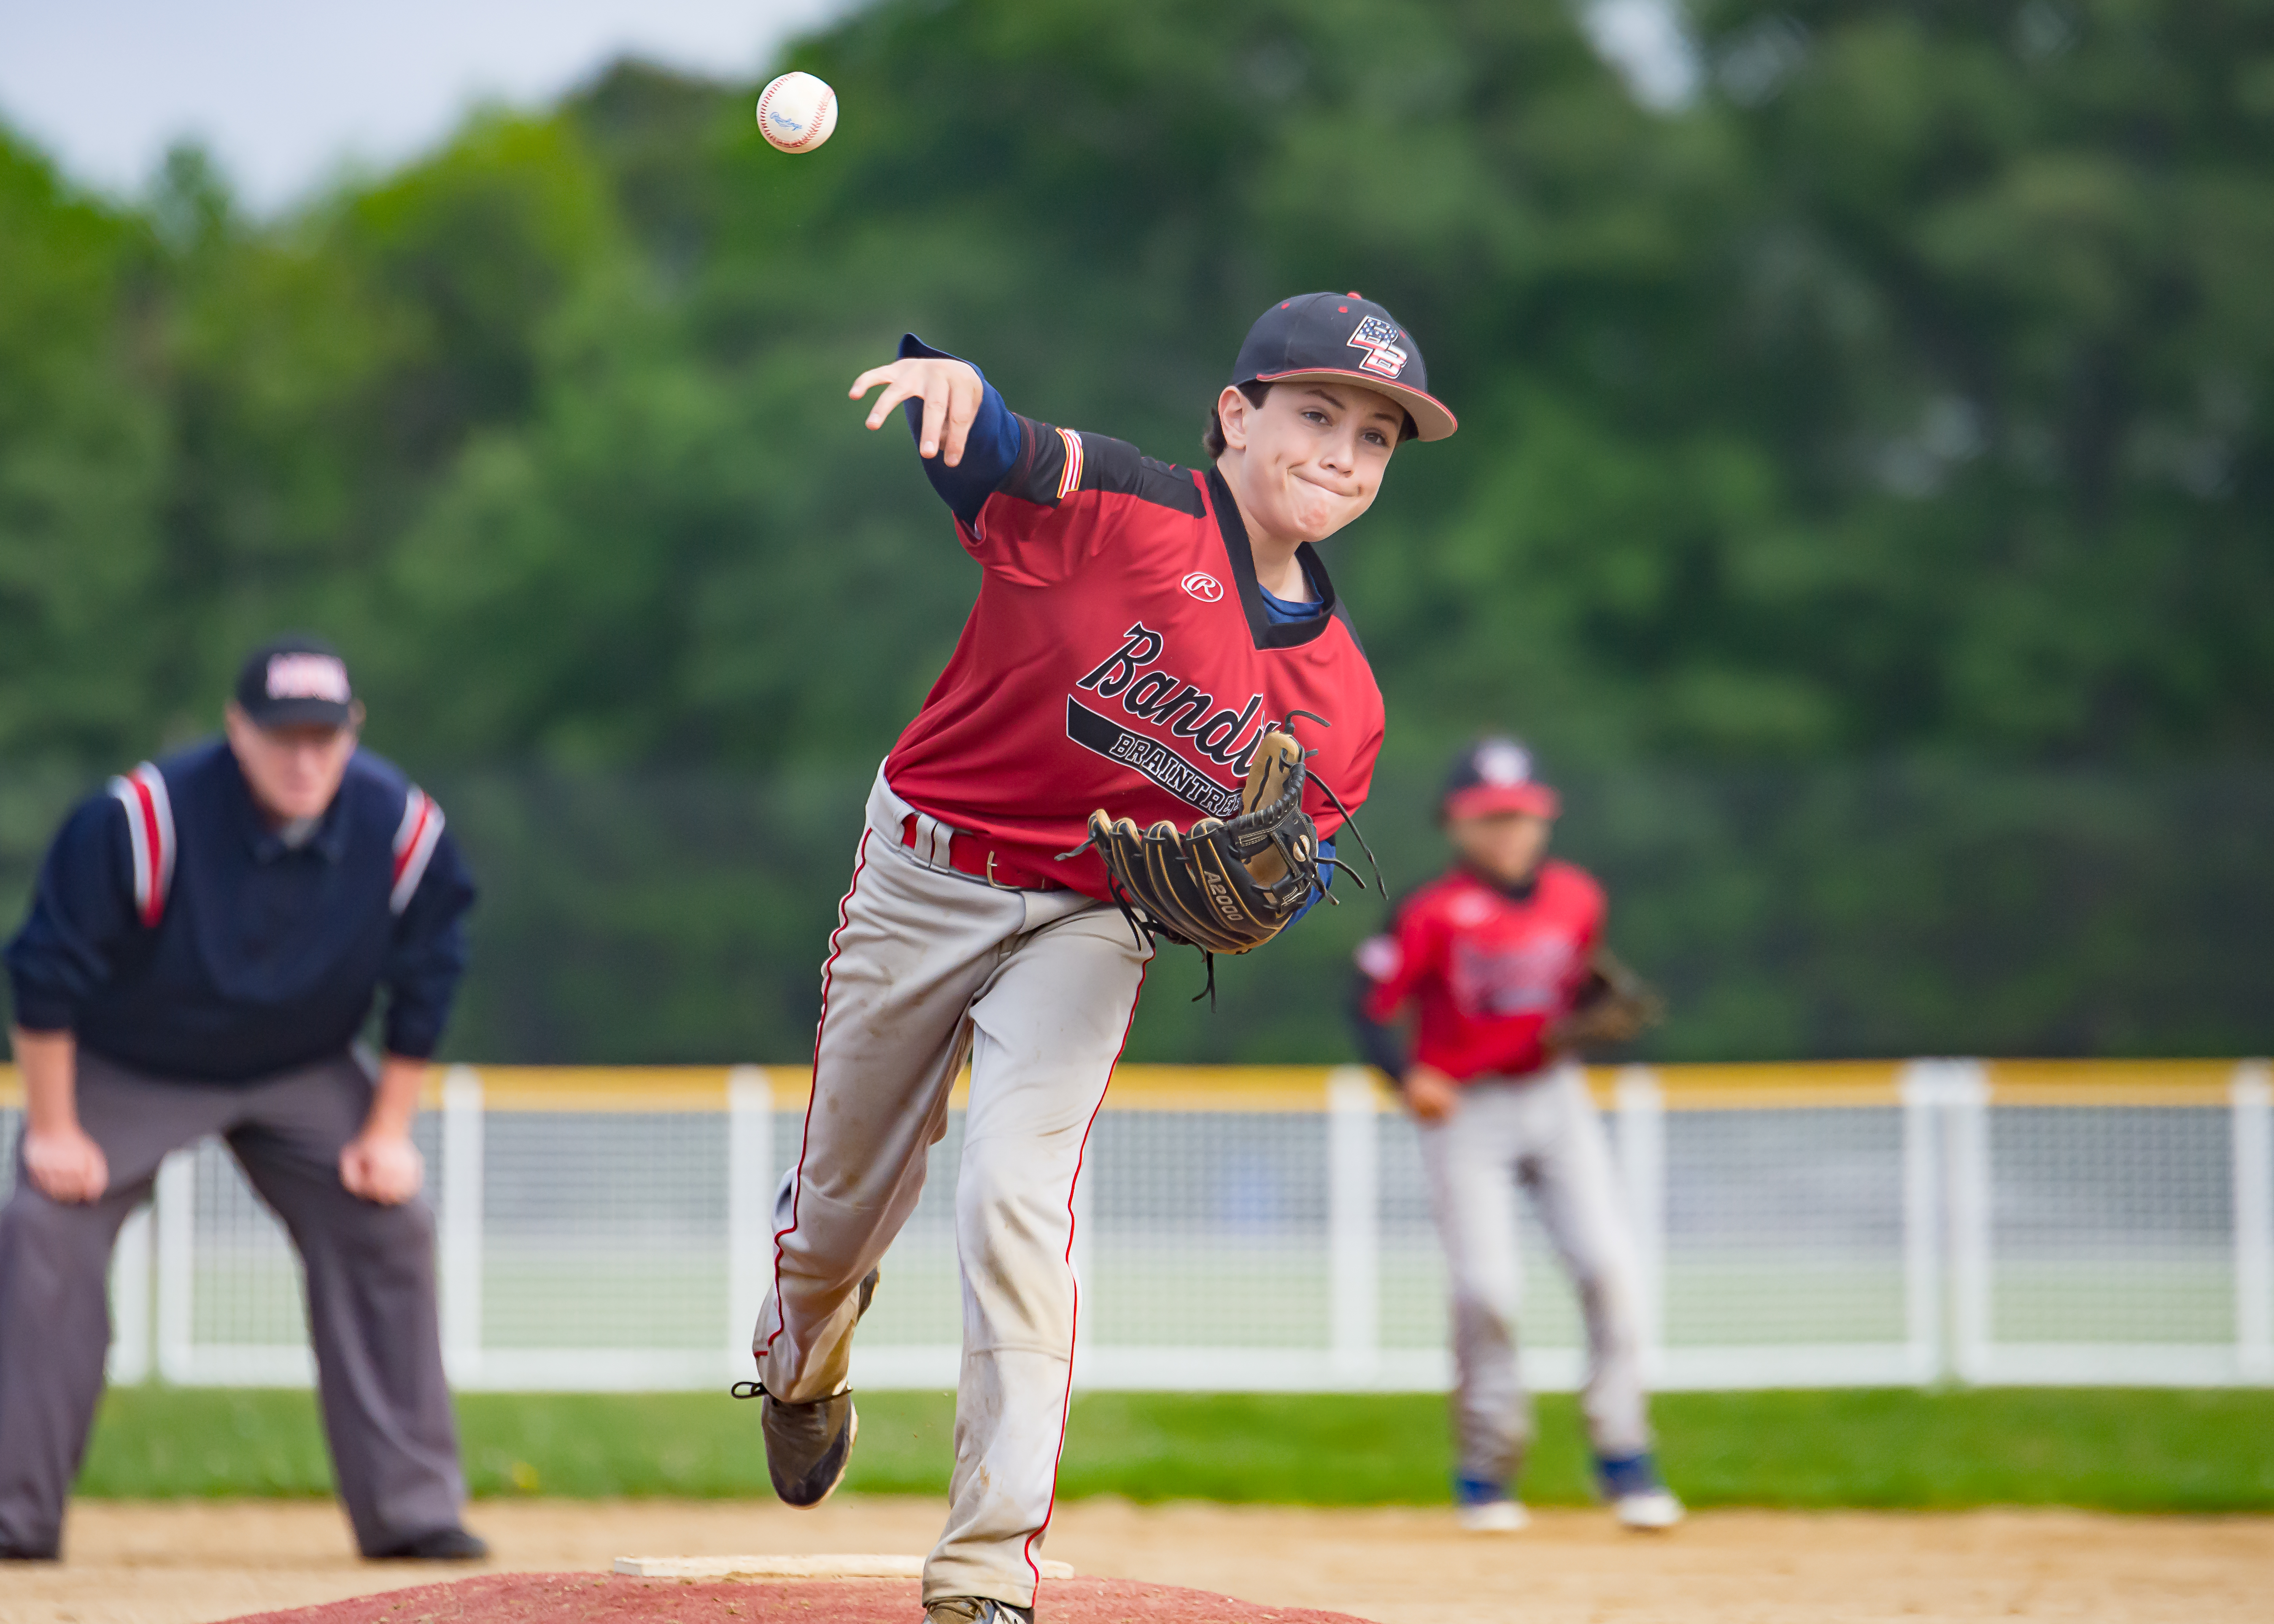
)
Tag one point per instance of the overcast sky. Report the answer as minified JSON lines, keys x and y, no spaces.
{"x":284,"y":91}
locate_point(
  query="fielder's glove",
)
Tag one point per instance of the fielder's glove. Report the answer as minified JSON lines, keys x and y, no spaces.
{"x":1223,"y":885}
{"x":1614,"y":1006}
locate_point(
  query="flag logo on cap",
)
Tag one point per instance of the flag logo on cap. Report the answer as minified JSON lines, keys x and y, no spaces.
{"x":1378,"y":339}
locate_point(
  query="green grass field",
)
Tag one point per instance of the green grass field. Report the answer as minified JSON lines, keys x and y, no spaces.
{"x":2117,"y":1449}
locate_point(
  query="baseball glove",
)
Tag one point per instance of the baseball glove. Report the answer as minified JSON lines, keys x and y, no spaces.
{"x":1225,"y":885}
{"x":1614,"y":1006}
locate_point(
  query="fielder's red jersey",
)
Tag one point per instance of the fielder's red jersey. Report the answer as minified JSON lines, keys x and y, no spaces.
{"x":1485,"y":971}
{"x":1119,"y":655}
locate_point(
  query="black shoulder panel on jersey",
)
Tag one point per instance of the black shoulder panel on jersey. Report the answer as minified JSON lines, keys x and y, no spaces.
{"x":1342,"y":613}
{"x":1054,"y":463}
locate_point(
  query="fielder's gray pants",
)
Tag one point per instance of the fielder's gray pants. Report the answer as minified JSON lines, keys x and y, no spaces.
{"x":369,"y":1271}
{"x":1036,"y":988}
{"x":1542,"y":1133}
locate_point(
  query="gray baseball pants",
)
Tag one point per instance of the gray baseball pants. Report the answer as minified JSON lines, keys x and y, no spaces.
{"x":1036,"y":988}
{"x":369,"y":1271}
{"x":1541,"y":1132}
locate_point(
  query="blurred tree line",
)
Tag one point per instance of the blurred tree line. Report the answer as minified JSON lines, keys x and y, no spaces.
{"x":1861,"y":494}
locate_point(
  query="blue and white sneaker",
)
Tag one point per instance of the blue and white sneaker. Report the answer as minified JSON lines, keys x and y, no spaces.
{"x":1486,"y":1508}
{"x":1639,"y":1499}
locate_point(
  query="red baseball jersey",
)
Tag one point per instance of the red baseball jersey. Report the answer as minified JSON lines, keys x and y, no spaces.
{"x":1485,"y":971}
{"x":1119,"y":655}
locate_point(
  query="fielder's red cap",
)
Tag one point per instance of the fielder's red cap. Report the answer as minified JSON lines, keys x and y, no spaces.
{"x":1342,"y":338}
{"x":1495,"y":775}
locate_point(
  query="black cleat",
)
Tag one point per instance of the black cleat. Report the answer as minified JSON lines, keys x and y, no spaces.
{"x":810,"y":1447}
{"x":977,"y":1610}
{"x":10,"y":1551}
{"x":444,"y":1544}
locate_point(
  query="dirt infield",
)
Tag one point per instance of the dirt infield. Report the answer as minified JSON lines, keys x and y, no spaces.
{"x":189,"y":1563}
{"x":579,"y":1598}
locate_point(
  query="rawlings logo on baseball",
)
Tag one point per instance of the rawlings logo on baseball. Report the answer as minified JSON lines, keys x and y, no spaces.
{"x":1378,"y":339}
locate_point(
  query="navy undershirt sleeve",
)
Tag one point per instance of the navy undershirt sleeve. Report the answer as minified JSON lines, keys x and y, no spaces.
{"x":989,"y":451}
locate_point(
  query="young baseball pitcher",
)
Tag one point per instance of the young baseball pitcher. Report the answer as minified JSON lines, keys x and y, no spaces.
{"x":1502,"y":960}
{"x":1144,"y":639}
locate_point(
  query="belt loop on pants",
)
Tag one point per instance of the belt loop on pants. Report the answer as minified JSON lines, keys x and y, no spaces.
{"x":932,"y":841}
{"x":942,"y":847}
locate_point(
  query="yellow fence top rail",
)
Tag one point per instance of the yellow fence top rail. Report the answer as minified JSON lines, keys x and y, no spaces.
{"x":2110,"y":1082}
{"x":1789,"y":1086}
{"x":594,"y":1089}
{"x":1796,"y":1087}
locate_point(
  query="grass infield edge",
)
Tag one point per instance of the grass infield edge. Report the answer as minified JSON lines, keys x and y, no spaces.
{"x":2116,"y":1449}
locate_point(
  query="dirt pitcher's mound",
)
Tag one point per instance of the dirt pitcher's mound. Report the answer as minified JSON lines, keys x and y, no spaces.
{"x":582,"y":1598}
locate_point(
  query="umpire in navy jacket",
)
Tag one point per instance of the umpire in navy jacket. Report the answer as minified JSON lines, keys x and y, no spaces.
{"x":203,"y":950}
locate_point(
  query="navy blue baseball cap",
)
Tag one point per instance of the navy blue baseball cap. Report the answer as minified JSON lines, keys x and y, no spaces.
{"x":1342,"y":338}
{"x":1494,"y":776}
{"x":296,"y":682}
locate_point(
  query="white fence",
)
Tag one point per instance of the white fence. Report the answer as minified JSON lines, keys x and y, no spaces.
{"x":1800,"y":1226}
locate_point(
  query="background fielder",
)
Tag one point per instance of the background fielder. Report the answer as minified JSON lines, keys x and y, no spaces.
{"x":1494,"y":958}
{"x":1139,"y":628}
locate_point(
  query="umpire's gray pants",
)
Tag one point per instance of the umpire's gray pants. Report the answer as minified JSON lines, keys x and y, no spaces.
{"x":369,"y":1271}
{"x":1541,"y":1131}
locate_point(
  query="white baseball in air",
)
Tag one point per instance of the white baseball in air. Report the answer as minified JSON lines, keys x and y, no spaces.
{"x":796,"y":112}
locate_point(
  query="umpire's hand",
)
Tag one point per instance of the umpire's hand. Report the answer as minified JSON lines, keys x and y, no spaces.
{"x":65,"y":1164}
{"x":383,"y":1167}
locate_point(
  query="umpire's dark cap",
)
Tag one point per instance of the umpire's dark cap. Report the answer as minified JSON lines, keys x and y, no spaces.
{"x":1342,"y":338}
{"x":1493,"y":775}
{"x":296,"y":682}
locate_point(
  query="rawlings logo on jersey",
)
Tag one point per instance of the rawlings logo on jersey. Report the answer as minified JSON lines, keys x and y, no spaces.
{"x":1378,"y":339}
{"x":1166,"y":701}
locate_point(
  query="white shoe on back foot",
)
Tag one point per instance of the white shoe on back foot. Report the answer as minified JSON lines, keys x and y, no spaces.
{"x":1494,"y":1517}
{"x":1651,"y":1512}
